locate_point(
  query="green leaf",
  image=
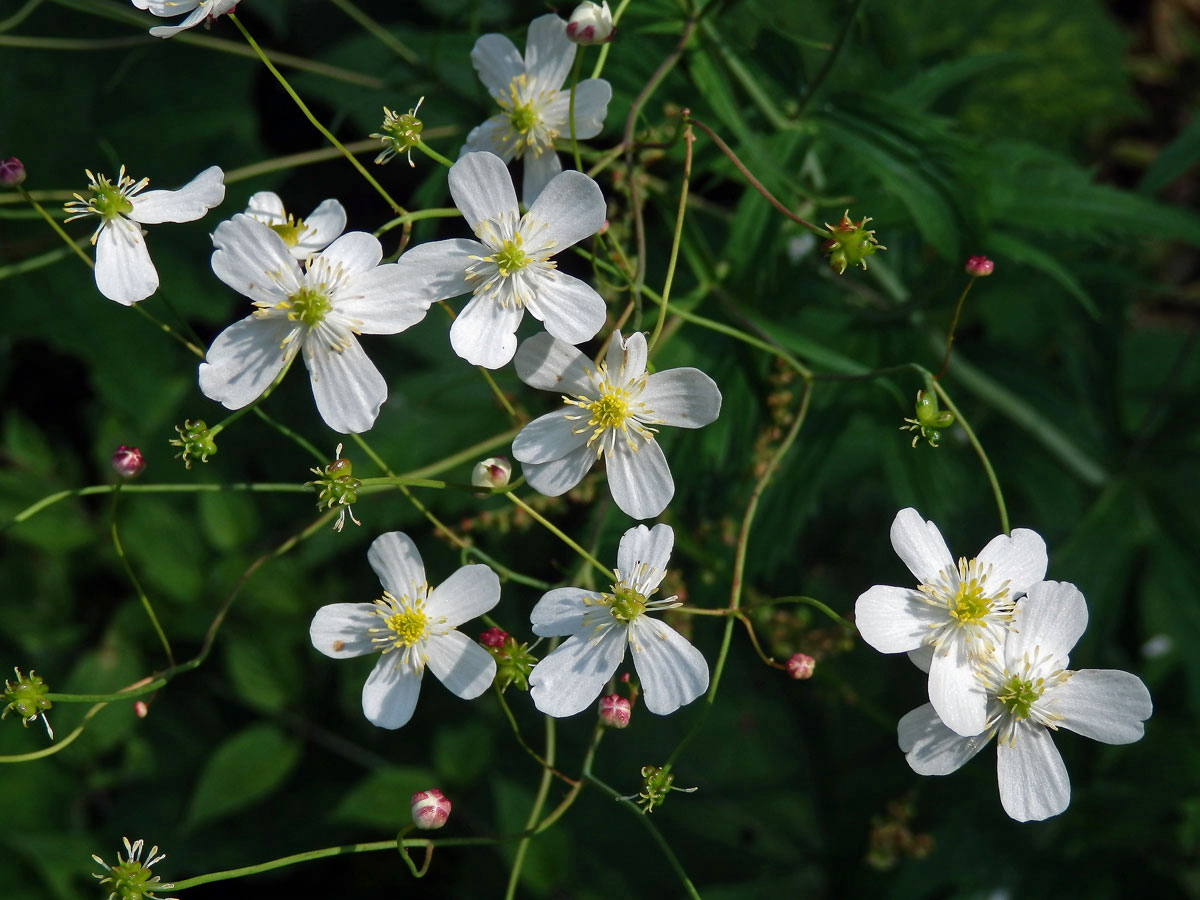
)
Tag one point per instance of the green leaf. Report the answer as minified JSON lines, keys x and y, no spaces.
{"x":1173,"y":160}
{"x":1021,"y":252}
{"x":928,"y":86}
{"x":244,"y":769}
{"x":382,"y":798}
{"x":462,"y":752}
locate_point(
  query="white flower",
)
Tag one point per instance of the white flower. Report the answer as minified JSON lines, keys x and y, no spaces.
{"x":608,"y":410}
{"x":201,"y":11}
{"x":535,"y":107}
{"x":590,"y":24}
{"x":958,"y":614}
{"x":124,"y":270}
{"x":303,"y":237}
{"x":1031,"y":692}
{"x":672,"y":672}
{"x":509,"y":269}
{"x":341,"y":293}
{"x":411,"y":626}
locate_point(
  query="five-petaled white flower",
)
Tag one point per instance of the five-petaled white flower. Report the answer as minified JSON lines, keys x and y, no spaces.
{"x":303,"y":237}
{"x":321,"y":307}
{"x":509,"y":269}
{"x":411,"y":626}
{"x":535,"y":107}
{"x":1031,"y":692}
{"x":124,"y":270}
{"x":608,"y":410}
{"x":672,"y":672}
{"x":958,"y":614}
{"x":200,"y":11}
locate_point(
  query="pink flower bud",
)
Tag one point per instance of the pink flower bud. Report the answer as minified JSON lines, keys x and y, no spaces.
{"x":141,"y":709}
{"x":590,"y":23}
{"x":127,"y":462}
{"x":430,"y":809}
{"x":800,"y":665}
{"x":494,"y":638}
{"x":12,"y":172}
{"x":614,"y":711}
{"x":980,"y":266}
{"x":492,"y":472}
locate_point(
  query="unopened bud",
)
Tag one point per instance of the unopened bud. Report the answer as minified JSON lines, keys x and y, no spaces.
{"x":127,"y":462}
{"x":800,"y":666}
{"x":590,"y":23}
{"x":849,"y":243}
{"x":141,"y":709}
{"x":494,"y":637}
{"x":493,"y":472}
{"x":430,"y":809}
{"x":12,"y":172}
{"x":980,"y":267}
{"x":614,"y":711}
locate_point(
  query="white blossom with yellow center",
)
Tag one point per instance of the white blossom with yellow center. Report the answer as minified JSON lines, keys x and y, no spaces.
{"x":1031,"y":693}
{"x":411,"y":627}
{"x":199,"y":11}
{"x":600,"y":626}
{"x":612,"y":410}
{"x":959,"y":615}
{"x":535,"y":107}
{"x":303,"y":237}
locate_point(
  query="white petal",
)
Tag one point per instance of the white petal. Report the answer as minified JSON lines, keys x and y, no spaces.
{"x":346,"y":385}
{"x":493,"y":136}
{"x":932,"y":748}
{"x":569,"y":209}
{"x":640,"y":481}
{"x":627,"y":357}
{"x":356,"y":252}
{"x":245,"y":358}
{"x":469,"y":592}
{"x":481,"y":188}
{"x":497,"y":61}
{"x":124,"y":270}
{"x":390,"y":694}
{"x":922,"y":657}
{"x":438,"y":270}
{"x":893,"y":619}
{"x":548,"y":52}
{"x":684,"y":398}
{"x":340,"y":629}
{"x":383,"y":302}
{"x":1019,"y":559}
{"x":549,"y":437}
{"x":254,"y":260}
{"x":187,"y":204}
{"x":553,"y":365}
{"x":465,"y":668}
{"x":484,"y":334}
{"x":673,"y":673}
{"x":920,"y":545}
{"x":325,"y":223}
{"x":197,"y":16}
{"x":267,"y":207}
{"x":591,"y":106}
{"x":570,"y":679}
{"x":1033,"y":780}
{"x":560,"y":612}
{"x":569,"y":308}
{"x":541,"y":168}
{"x":395,"y":559}
{"x":1050,"y":619}
{"x":956,"y":693}
{"x":1104,"y":704}
{"x":554,"y":478}
{"x":645,"y":547}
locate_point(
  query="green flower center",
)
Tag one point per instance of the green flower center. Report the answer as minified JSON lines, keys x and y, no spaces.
{"x":307,"y":306}
{"x":107,"y":199}
{"x":291,"y":231}
{"x":1018,"y":695}
{"x":510,"y":257}
{"x":626,"y":604}
{"x":522,"y":117}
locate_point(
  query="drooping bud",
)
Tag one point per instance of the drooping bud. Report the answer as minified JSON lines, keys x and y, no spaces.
{"x":615,"y":710}
{"x":430,"y":809}
{"x":850,"y":243}
{"x":195,"y":442}
{"x":127,"y":462}
{"x":27,"y":698}
{"x":800,"y":666}
{"x":12,"y":172}
{"x":337,"y":486}
{"x":493,"y":638}
{"x":980,"y":267}
{"x":131,"y":878}
{"x":400,"y":132}
{"x":929,"y":420}
{"x":493,"y":472}
{"x":591,"y":23}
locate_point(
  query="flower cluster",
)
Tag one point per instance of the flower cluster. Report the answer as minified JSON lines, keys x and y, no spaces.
{"x":994,"y":638}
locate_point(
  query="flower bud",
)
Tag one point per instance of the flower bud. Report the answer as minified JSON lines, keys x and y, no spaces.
{"x":430,"y":809}
{"x":929,"y":420}
{"x":979,"y":267}
{"x":493,"y":472}
{"x":141,"y":708}
{"x":12,"y":172}
{"x":614,"y":711}
{"x":800,"y":666}
{"x":590,"y":24}
{"x":127,"y":462}
{"x":849,"y":243}
{"x":494,"y":638}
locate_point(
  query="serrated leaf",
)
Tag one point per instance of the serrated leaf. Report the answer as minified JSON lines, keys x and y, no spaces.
{"x":244,"y":769}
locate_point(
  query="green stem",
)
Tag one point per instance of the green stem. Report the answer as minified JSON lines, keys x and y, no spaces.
{"x":249,"y":407}
{"x":688,"y":139}
{"x":396,"y":207}
{"x":300,"y":441}
{"x":310,"y":855}
{"x":561,"y":535}
{"x":433,"y":154}
{"x":600,"y":61}
{"x":58,"y":745}
{"x":162,"y":326}
{"x":133,"y":579}
{"x":499,"y":394}
{"x":535,"y":811}
{"x":979,"y":451}
{"x":471,"y":454}
{"x":831,"y":60}
{"x":58,"y":229}
{"x":19,"y":16}
{"x":953,"y":326}
{"x":378,"y":31}
{"x":441,"y":212}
